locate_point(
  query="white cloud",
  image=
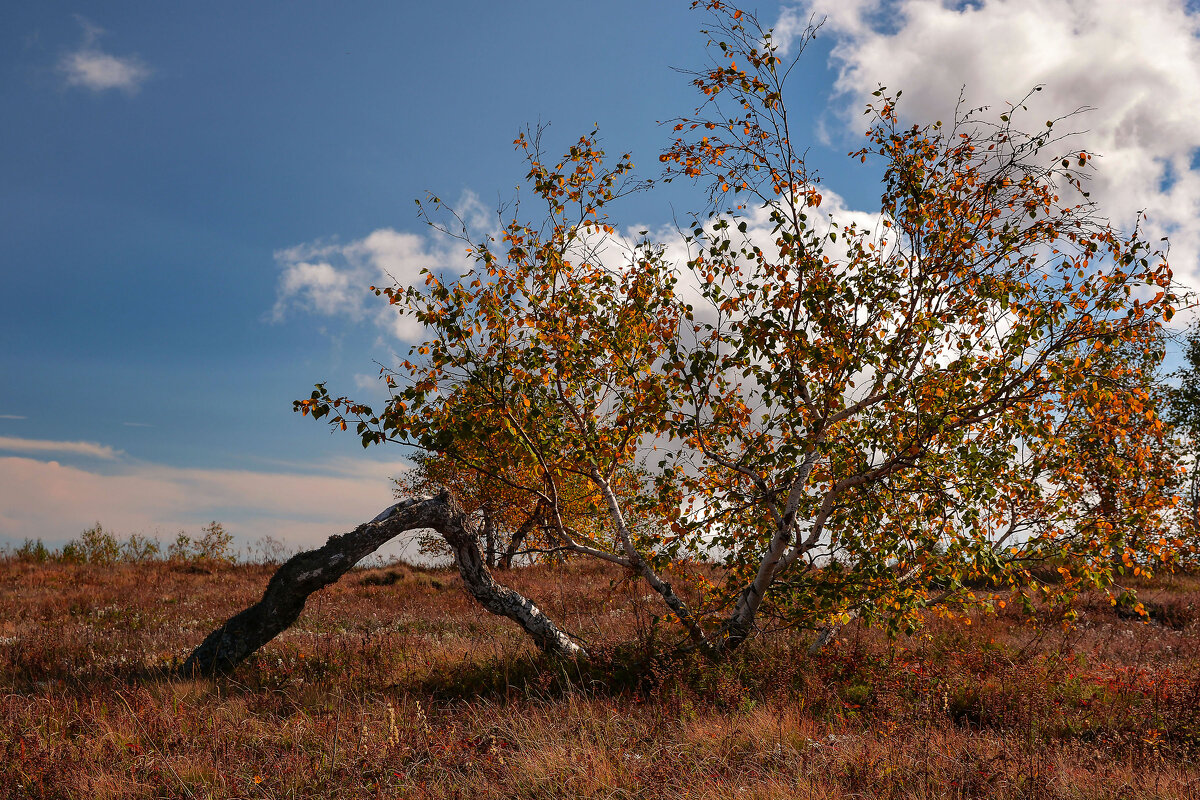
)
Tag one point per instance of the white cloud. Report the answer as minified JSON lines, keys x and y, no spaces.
{"x":760,"y":232}
{"x":54,"y":502}
{"x":98,"y":71}
{"x":92,"y":68}
{"x":317,"y":285}
{"x":12,"y":416}
{"x":370,"y":383}
{"x":1136,"y":64}
{"x":333,"y":279}
{"x":13,"y":444}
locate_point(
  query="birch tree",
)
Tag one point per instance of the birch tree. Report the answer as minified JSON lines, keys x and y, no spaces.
{"x":847,"y":420}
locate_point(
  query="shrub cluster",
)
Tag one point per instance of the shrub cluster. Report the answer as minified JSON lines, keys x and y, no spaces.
{"x":99,"y":546}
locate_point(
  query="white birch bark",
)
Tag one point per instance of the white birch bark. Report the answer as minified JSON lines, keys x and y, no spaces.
{"x":308,"y":572}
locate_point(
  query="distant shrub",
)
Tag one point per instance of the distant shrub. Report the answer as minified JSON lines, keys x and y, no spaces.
{"x":98,"y":546}
{"x":138,"y":549}
{"x":34,"y":551}
{"x":94,"y":546}
{"x":268,"y":550}
{"x":181,"y":549}
{"x":215,"y":546}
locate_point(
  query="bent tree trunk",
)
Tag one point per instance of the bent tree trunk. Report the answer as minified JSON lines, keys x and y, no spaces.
{"x":310,"y":571}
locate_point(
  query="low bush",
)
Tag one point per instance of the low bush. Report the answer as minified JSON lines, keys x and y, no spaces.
{"x":101,"y":547}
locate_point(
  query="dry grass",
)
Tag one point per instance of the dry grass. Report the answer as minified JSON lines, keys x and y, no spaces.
{"x":393,"y":684}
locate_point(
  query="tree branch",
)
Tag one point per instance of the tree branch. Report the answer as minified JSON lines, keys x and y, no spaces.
{"x":308,"y":572}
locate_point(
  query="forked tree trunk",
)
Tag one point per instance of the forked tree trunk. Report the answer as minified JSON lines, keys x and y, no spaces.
{"x":518,"y":537}
{"x":310,"y":571}
{"x":491,"y":533}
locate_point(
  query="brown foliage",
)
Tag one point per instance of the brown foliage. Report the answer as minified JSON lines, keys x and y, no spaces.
{"x":393,"y":684}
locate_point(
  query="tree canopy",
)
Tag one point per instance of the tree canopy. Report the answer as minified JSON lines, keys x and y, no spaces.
{"x":845,"y":418}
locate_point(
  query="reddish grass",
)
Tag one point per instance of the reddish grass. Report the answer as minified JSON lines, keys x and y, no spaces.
{"x":394,"y":684}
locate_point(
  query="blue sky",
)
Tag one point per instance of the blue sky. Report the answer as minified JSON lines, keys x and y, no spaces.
{"x":194,"y":199}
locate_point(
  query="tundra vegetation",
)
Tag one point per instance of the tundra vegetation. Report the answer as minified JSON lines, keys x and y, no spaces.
{"x":791,"y":507}
{"x":392,"y":684}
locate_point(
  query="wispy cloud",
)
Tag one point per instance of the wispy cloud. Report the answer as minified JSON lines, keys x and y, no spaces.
{"x":12,"y":416}
{"x":91,"y":68}
{"x":93,"y":449}
{"x":137,"y":424}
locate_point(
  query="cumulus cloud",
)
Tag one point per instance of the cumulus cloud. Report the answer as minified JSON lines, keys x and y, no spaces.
{"x":332,"y":279}
{"x":1136,"y":64}
{"x":54,"y":502}
{"x":309,"y":281}
{"x":760,"y":232}
{"x":92,"y":449}
{"x":92,"y":68}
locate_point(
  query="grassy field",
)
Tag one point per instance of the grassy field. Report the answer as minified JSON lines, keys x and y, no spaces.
{"x":394,"y":684}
